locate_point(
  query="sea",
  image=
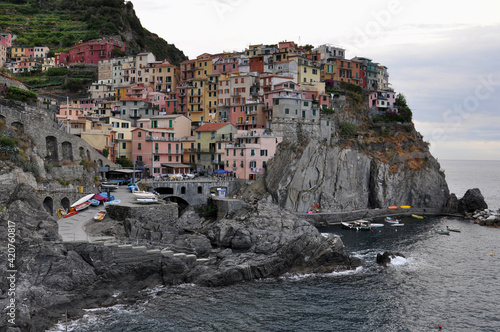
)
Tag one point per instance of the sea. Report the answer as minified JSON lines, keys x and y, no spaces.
{"x":443,"y":283}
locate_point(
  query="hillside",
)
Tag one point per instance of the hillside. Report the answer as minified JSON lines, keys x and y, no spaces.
{"x":59,"y":24}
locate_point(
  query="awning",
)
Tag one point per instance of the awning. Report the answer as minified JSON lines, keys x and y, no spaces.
{"x":176,"y":165}
{"x":124,"y":171}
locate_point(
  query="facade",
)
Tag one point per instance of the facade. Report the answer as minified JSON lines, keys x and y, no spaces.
{"x":211,"y":140}
{"x":3,"y":55}
{"x":154,"y":147}
{"x":6,"y":39}
{"x":248,"y":156}
{"x":122,"y":138}
{"x":94,"y":50}
{"x":382,"y":101}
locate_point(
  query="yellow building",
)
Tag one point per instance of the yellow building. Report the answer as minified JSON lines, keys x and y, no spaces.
{"x":122,"y":142}
{"x":165,"y":77}
{"x":308,"y":70}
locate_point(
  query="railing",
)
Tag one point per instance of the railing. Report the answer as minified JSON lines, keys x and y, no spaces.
{"x":163,"y":139}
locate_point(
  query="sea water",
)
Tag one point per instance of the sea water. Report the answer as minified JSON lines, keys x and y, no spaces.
{"x":448,"y":280}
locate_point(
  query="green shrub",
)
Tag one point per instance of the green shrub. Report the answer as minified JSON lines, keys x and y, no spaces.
{"x":348,"y":129}
{"x":20,"y":94}
{"x":59,"y":71}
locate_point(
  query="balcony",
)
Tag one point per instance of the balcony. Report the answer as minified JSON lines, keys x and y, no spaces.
{"x":217,"y":162}
{"x":135,"y":116}
{"x":162,"y":139}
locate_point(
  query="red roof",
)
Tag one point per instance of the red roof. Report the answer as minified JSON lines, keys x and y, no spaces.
{"x":212,"y":126}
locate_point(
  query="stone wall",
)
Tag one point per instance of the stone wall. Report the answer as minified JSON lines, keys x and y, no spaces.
{"x":12,"y":82}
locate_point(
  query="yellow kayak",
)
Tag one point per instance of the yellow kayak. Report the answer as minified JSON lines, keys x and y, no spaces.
{"x":405,"y":206}
{"x":417,"y":216}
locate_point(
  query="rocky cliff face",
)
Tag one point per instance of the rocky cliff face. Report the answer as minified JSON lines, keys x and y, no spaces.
{"x":341,"y":179}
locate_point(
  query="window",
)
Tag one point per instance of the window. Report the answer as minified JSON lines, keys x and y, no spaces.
{"x":253,"y":164}
{"x":124,"y":146}
{"x":198,"y":135}
{"x":156,"y":158}
{"x":252,"y":152}
{"x":139,"y":134}
{"x":287,"y":111}
{"x":264,"y":164}
{"x":139,"y":146}
{"x":263,"y":153}
{"x":124,"y":125}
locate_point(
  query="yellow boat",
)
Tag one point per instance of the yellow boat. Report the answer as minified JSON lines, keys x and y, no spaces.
{"x":417,"y":216}
{"x":405,"y":206}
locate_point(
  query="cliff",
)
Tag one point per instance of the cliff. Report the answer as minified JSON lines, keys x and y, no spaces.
{"x":358,"y":164}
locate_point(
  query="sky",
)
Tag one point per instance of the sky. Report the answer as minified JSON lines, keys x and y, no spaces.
{"x":442,"y":55}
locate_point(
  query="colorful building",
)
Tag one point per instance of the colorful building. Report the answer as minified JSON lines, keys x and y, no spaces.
{"x":211,"y":140}
{"x":94,"y":50}
{"x":250,"y":153}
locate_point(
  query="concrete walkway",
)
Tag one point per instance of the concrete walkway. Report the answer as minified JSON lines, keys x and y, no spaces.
{"x":71,"y":229}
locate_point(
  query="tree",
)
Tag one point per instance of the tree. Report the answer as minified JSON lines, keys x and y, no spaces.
{"x":403,"y":108}
{"x":124,"y":161}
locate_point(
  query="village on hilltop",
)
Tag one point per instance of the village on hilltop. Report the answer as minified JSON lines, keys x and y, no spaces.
{"x":225,"y":111}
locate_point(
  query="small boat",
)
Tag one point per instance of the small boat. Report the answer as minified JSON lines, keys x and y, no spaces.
{"x":82,"y":206}
{"x":393,"y":207}
{"x":147,"y":200}
{"x":144,"y":194}
{"x":109,"y":185}
{"x":70,"y":213}
{"x":452,"y":229}
{"x":100,"y":215}
{"x":113,"y":202}
{"x":396,"y":225}
{"x":105,"y":195}
{"x":405,"y":206}
{"x":94,"y":202}
{"x":392,"y":220}
{"x":357,"y":225}
{"x":376,"y":225}
{"x":82,"y":200}
{"x":417,"y":216}
{"x":442,"y":232}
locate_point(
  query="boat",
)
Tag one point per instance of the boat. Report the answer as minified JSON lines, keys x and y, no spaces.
{"x":82,"y":206}
{"x":147,"y":200}
{"x":405,"y":206}
{"x":105,"y":195}
{"x":94,"y":202}
{"x":452,"y":229}
{"x":82,"y":200}
{"x":376,"y":225}
{"x":392,"y":220}
{"x":113,"y":202}
{"x":109,"y":185}
{"x":357,"y":225}
{"x":398,"y":224}
{"x":417,"y":216}
{"x":442,"y":232}
{"x":100,"y":215}
{"x":70,"y":213}
{"x":144,"y":194}
{"x":393,"y":207}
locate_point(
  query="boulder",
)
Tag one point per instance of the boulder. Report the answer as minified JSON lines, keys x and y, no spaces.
{"x":386,"y":257}
{"x":473,"y":200}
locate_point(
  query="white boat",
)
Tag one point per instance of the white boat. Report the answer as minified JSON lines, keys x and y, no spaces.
{"x":397,"y":225}
{"x":109,"y":185}
{"x":357,"y":225}
{"x":82,"y":200}
{"x":144,"y":194}
{"x":392,"y":220}
{"x":114,"y":202}
{"x":376,"y":225}
{"x":147,"y":200}
{"x":100,"y":215}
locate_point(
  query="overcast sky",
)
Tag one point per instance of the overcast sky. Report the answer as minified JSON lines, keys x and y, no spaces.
{"x":442,"y":55}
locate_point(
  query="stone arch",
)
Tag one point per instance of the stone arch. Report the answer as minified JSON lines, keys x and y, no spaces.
{"x":48,"y":204}
{"x":183,"y":190}
{"x":65,"y":203}
{"x":18,"y":125}
{"x":52,"y":151}
{"x":67,"y":151}
{"x":3,"y":119}
{"x":99,"y":163}
{"x":182,"y":204}
{"x":165,"y":191}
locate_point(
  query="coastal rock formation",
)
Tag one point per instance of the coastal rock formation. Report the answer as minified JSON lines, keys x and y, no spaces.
{"x":340,"y":179}
{"x":473,"y":200}
{"x":387,"y":257}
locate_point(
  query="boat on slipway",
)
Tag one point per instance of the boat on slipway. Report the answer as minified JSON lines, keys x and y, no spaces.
{"x":100,"y":215}
{"x":82,"y":200}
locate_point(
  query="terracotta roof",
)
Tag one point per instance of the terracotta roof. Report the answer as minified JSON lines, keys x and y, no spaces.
{"x":212,"y":126}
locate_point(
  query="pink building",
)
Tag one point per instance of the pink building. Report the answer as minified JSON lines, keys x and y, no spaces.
{"x":251,"y":151}
{"x":94,"y":50}
{"x":382,"y":101}
{"x":62,"y":59}
{"x":154,"y":147}
{"x":6,"y":39}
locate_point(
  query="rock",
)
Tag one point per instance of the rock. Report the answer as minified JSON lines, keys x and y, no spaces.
{"x":386,"y":257}
{"x":473,"y":200}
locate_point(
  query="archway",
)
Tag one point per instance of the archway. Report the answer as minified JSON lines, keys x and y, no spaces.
{"x":182,"y":204}
{"x":165,"y":191}
{"x":18,"y":125}
{"x":51,"y":146}
{"x":48,"y":205}
{"x":67,"y":151}
{"x":3,"y":119}
{"x":65,"y":203}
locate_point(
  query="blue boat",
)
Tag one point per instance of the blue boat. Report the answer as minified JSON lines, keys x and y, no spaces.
{"x":94,"y":202}
{"x":110,"y":198}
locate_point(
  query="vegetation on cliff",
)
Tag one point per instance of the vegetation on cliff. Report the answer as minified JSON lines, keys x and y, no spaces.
{"x":59,"y":24}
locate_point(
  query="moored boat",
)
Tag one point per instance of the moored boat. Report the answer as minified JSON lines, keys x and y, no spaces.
{"x":113,"y":202}
{"x":82,"y":206}
{"x":100,"y":215}
{"x":357,"y":225}
{"x":82,"y":200}
{"x":397,"y":225}
{"x":442,"y":232}
{"x":417,"y":216}
{"x":392,"y":220}
{"x":94,"y":202}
